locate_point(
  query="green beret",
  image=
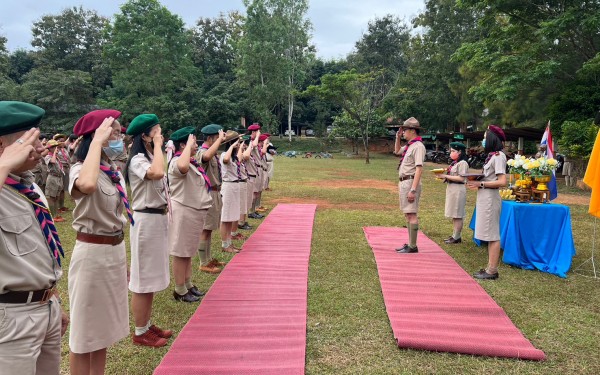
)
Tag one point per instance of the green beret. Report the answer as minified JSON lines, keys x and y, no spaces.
{"x":19,"y":116}
{"x":142,"y":123}
{"x":182,"y":134}
{"x":211,"y":129}
{"x":246,"y":137}
{"x":458,"y":146}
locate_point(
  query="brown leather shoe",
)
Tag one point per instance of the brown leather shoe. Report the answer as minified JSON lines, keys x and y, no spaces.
{"x":230,"y":249}
{"x":64,"y":209}
{"x":59,"y":219}
{"x":216,"y":263}
{"x":210,"y":268}
{"x":482,"y":275}
{"x":149,"y":339}
{"x":452,"y":240}
{"x":164,"y":333}
{"x":239,"y":237}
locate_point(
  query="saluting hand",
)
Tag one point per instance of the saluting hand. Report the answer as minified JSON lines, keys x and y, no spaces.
{"x":222,"y":136}
{"x":104,"y":130}
{"x":158,"y":138}
{"x":190,"y":142}
{"x":20,"y":151}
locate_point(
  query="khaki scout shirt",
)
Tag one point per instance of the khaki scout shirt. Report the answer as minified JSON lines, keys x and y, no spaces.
{"x":229,"y":170}
{"x":211,"y":167}
{"x":145,"y":193}
{"x":100,"y":212}
{"x":414,"y":157}
{"x":26,"y":263}
{"x":251,"y":164}
{"x":495,"y":166}
{"x":188,"y":189}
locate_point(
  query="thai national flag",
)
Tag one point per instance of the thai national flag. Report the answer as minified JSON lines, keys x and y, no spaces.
{"x":547,"y":140}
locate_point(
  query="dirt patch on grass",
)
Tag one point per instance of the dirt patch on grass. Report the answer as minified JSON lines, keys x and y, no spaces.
{"x":572,"y":199}
{"x":356,"y":184}
{"x":325,"y":204}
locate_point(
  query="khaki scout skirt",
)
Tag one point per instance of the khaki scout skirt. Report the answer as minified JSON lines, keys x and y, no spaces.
{"x":405,"y":205}
{"x":231,"y":201}
{"x":250,"y":193}
{"x":487,"y":221}
{"x":97,"y":296}
{"x":257,"y":183}
{"x":149,"y":253}
{"x":213,"y":216}
{"x":456,"y":199}
{"x":185,"y":231}
{"x":54,"y":186}
{"x":243,"y":198}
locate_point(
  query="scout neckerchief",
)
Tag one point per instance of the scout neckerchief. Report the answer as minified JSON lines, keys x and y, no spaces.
{"x":489,"y":157}
{"x":205,"y":147}
{"x":43,"y":216}
{"x":194,"y":162}
{"x":166,"y":188}
{"x":116,"y":179}
{"x":414,"y":140}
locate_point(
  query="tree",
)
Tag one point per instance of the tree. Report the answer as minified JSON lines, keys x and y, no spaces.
{"x":274,"y":53}
{"x":72,"y":40}
{"x":149,"y":55}
{"x":8,"y":87}
{"x":360,"y":95}
{"x":21,"y":62}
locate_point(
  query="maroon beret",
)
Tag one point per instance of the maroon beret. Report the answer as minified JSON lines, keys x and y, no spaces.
{"x":92,"y":121}
{"x":254,"y":127}
{"x":498,"y":131}
{"x":264,"y":136}
{"x":123,"y":130}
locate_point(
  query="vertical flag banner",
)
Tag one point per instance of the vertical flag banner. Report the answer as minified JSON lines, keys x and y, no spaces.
{"x":592,"y":178}
{"x":547,"y":140}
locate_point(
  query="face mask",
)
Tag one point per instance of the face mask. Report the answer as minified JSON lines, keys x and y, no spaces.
{"x":483,"y":143}
{"x":114,"y":148}
{"x":454,"y":155}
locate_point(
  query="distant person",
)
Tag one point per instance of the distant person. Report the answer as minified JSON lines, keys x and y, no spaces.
{"x":489,"y":203}
{"x":54,"y":180}
{"x":412,"y":157}
{"x":456,"y":192}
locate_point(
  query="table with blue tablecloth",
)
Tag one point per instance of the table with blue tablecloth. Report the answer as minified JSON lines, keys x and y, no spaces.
{"x":536,"y":236}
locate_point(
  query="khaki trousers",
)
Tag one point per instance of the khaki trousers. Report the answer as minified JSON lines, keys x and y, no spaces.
{"x":30,"y":338}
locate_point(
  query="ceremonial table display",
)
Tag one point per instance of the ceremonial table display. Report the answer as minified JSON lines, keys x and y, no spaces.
{"x":535,"y":236}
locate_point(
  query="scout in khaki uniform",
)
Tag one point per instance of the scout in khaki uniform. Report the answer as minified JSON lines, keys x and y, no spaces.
{"x":31,"y":320}
{"x":207,"y":156}
{"x":263,"y":142}
{"x":243,"y":177}
{"x":489,"y":203}
{"x":54,"y":181}
{"x":98,"y":268}
{"x":251,"y":172}
{"x":412,"y":157}
{"x":190,"y":197}
{"x":254,"y":166}
{"x":232,"y":177}
{"x":65,"y":164}
{"x":456,"y":192}
{"x":149,"y":272}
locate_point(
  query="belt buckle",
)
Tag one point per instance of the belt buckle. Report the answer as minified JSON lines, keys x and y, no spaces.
{"x":120,"y":238}
{"x":48,"y":293}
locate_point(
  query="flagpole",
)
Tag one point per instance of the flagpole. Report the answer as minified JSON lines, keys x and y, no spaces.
{"x":590,"y":259}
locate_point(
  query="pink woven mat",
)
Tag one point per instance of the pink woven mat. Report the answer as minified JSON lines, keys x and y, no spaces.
{"x":253,"y":318}
{"x":433,"y":304}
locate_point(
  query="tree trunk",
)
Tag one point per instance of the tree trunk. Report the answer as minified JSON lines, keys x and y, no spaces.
{"x":366,"y":145}
{"x":290,"y":112}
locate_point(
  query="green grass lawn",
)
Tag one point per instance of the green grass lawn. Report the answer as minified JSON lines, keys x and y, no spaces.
{"x":348,"y":329}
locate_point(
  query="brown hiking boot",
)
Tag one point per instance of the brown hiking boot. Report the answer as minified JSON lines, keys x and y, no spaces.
{"x":164,"y":333}
{"x":239,"y":237}
{"x":149,"y":339}
{"x":216,"y":263}
{"x":59,"y":219}
{"x":210,"y":268}
{"x":230,"y":249}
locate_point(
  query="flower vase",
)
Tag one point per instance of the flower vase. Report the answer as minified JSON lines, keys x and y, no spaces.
{"x":542,"y":181}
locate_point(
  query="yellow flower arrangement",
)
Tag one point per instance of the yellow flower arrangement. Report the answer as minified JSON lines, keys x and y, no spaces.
{"x":532,"y":167}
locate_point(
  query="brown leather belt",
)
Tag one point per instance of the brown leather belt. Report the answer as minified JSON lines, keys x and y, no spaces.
{"x":23,"y":297}
{"x":251,"y":175}
{"x":99,"y":239}
{"x":406,"y":178}
{"x":158,"y":211}
{"x":216,"y":188}
{"x":454,"y":182}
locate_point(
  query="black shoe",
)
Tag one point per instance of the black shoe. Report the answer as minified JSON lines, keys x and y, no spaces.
{"x":255,"y":215}
{"x":482,"y":275}
{"x":406,"y":249}
{"x":188,"y":297}
{"x":245,"y":226}
{"x":195,"y":291}
{"x":259,"y":216}
{"x":452,"y":240}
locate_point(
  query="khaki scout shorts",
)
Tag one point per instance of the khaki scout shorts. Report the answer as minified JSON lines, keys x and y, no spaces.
{"x":403,"y":189}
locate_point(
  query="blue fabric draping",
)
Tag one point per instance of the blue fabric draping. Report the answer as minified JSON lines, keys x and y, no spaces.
{"x":535,"y":236}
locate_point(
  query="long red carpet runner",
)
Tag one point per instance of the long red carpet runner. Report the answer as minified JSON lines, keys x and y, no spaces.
{"x":433,"y":304}
{"x":253,"y":319}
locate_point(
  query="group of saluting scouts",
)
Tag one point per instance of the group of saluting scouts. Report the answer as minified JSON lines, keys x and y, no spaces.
{"x":489,"y":203}
{"x":201,"y":189}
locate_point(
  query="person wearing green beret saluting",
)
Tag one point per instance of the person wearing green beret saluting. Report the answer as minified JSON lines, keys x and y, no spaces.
{"x":456,"y":192}
{"x":190,"y":195}
{"x":32,"y":321}
{"x":207,"y":156}
{"x":149,"y":270}
{"x":98,"y":271}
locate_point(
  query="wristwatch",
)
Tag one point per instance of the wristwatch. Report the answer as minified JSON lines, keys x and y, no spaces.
{"x":481,"y":185}
{"x":413,"y":191}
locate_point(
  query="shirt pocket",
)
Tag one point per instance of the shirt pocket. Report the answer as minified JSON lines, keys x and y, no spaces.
{"x":17,"y":241}
{"x":110,"y":197}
